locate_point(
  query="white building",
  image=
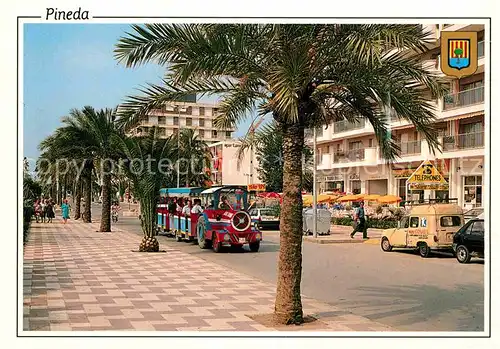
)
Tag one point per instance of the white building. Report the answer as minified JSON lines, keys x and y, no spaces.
{"x":176,"y":115}
{"x":225,"y":169}
{"x":349,"y":157}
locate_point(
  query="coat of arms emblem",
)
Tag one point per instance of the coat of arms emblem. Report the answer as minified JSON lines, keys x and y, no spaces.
{"x":458,"y":53}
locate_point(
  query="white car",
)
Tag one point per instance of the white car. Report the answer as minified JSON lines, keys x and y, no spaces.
{"x":264,"y":218}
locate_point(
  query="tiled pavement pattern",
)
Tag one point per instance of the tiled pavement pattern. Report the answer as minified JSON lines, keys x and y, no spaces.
{"x":78,"y":279}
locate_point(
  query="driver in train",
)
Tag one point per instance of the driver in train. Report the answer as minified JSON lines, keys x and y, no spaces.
{"x":223,"y":204}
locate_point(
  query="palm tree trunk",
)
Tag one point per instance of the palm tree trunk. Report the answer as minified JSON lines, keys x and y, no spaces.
{"x":87,"y":183}
{"x":106,"y":201}
{"x":288,"y":305}
{"x":78,"y":198}
{"x":148,"y":213}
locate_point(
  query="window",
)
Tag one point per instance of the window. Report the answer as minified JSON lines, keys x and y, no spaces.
{"x":402,"y":188}
{"x":477,"y":228}
{"x":202,"y":111}
{"x":176,"y":120}
{"x":228,"y":134}
{"x":355,"y":145}
{"x":214,"y":134}
{"x":473,"y":191}
{"x":356,"y":187}
{"x":202,"y":122}
{"x":189,"y":122}
{"x":414,"y":222}
{"x":201,"y":133}
{"x":370,"y":143}
{"x":472,"y":85}
{"x":450,"y":221}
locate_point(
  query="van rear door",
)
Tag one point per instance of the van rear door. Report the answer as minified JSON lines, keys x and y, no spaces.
{"x":447,"y":226}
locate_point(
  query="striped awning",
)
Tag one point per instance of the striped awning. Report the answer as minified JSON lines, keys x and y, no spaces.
{"x":457,"y":117}
{"x":464,"y":116}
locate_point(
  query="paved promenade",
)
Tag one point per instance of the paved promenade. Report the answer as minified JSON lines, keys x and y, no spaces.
{"x":76,"y":279}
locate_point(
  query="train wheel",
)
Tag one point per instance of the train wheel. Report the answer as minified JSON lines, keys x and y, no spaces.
{"x":201,"y":234}
{"x":254,"y":246}
{"x":216,"y":245}
{"x":178,"y":236}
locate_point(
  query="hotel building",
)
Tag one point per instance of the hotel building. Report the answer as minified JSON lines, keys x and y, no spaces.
{"x":187,"y":113}
{"x":348,"y":156}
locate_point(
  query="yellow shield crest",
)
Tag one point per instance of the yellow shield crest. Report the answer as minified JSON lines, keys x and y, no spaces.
{"x":458,"y":53}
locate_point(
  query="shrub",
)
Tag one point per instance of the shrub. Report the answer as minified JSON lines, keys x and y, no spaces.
{"x":275,"y":210}
{"x":398,"y":213}
{"x":27,"y":214}
{"x":372,"y":223}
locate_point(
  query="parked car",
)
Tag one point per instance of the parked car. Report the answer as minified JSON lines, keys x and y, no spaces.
{"x":264,"y":218}
{"x":468,"y":242}
{"x":473,"y":213}
{"x":427,"y":227}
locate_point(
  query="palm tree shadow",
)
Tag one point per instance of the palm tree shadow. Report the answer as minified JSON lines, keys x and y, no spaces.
{"x":420,"y":303}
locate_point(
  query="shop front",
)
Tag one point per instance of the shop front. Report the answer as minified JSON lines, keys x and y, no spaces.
{"x":333,"y":183}
{"x":472,"y":183}
{"x":403,"y":172}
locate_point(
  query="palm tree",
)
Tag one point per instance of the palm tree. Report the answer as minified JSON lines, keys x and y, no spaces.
{"x":194,"y":157}
{"x":143,"y":161}
{"x":304,"y":76}
{"x":86,"y":137}
{"x":268,"y":144}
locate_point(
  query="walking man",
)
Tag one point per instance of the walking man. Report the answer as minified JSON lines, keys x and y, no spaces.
{"x":359,"y":217}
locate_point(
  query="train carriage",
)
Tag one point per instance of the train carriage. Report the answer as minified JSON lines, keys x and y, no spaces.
{"x":183,"y":227}
{"x":163,"y":223}
{"x":225,"y":220}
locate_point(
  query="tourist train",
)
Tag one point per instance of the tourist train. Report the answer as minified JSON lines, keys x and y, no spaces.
{"x":220,"y":218}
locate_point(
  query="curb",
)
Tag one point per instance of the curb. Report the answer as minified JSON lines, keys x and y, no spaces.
{"x":343,"y":227}
{"x":332,"y":241}
{"x":374,"y":241}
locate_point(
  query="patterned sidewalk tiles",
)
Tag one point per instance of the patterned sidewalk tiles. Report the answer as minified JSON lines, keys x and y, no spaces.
{"x":77,"y":279}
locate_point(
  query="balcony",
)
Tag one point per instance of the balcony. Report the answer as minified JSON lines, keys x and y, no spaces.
{"x":464,"y":98}
{"x":410,"y":148}
{"x":463,"y":141}
{"x":353,"y":155}
{"x":344,"y":125}
{"x":339,"y":156}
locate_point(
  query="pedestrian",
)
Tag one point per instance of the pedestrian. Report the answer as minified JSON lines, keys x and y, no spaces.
{"x":50,"y":211}
{"x":65,"y":211}
{"x":115,"y":208}
{"x":360,"y":221}
{"x":38,"y":210}
{"x":43,"y":208}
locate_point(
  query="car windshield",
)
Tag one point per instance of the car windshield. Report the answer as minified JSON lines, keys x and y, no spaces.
{"x":234,"y":198}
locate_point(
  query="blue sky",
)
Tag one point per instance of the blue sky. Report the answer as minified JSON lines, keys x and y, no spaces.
{"x":71,"y":65}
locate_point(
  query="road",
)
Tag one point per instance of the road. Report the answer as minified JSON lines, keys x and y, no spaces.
{"x":399,"y":289}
